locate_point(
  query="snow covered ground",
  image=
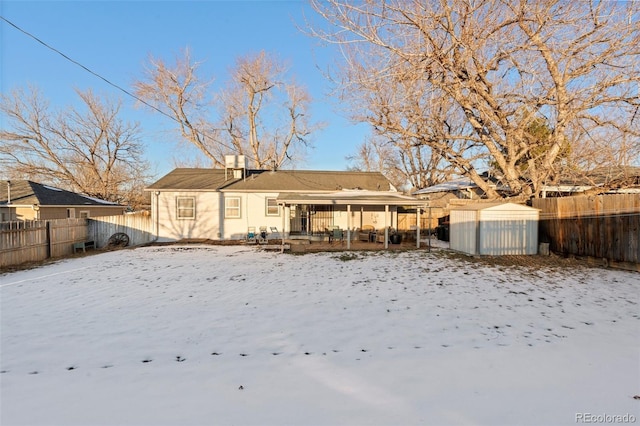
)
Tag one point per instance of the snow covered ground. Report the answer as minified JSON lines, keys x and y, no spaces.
{"x":218,"y":335}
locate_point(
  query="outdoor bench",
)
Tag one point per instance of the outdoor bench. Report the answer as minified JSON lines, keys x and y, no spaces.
{"x":84,"y":245}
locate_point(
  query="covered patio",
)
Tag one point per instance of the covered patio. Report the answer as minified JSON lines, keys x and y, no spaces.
{"x":353,"y":216}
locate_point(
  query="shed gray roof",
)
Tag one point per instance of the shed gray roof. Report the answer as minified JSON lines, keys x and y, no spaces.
{"x":26,"y":192}
{"x":273,"y":181}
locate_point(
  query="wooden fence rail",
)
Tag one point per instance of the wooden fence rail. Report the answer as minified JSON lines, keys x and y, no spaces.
{"x":34,"y":241}
{"x":604,"y":227}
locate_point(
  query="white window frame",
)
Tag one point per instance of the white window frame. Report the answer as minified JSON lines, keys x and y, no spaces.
{"x":188,"y":212}
{"x":268,"y":207}
{"x":71,"y":213}
{"x":232,"y":212}
{"x":85,"y":214}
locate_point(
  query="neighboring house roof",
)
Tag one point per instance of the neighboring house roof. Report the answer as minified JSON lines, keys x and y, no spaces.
{"x":274,"y":181}
{"x":26,"y":192}
{"x":607,"y":177}
{"x":459,"y":184}
{"x":452,"y":185}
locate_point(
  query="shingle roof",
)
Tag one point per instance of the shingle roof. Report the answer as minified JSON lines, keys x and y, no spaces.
{"x":191,"y":179}
{"x":618,"y":176}
{"x":275,"y":181}
{"x":26,"y":192}
{"x":297,"y":180}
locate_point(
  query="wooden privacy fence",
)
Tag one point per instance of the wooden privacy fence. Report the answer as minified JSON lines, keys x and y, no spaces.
{"x":408,"y":221}
{"x":34,"y":241}
{"x":137,"y":226}
{"x":605,"y":227}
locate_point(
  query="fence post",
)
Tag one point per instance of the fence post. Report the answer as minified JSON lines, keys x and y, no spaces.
{"x":48,"y":227}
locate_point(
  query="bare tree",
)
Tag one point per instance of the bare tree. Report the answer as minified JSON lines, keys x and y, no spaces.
{"x":573,"y":65}
{"x":90,"y":151}
{"x":259,"y":114}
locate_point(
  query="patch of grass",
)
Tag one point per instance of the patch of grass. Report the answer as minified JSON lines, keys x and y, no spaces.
{"x":345,"y":257}
{"x":533,"y":263}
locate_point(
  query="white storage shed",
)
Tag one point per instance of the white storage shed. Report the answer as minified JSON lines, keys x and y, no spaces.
{"x":494,"y":229}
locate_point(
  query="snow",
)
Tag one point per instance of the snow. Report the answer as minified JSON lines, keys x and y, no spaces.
{"x":452,"y":185}
{"x":233,"y":335}
{"x":98,"y":200}
{"x":52,"y":188}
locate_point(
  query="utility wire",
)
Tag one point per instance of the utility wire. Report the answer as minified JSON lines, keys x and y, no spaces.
{"x":126,"y":92}
{"x":84,"y":67}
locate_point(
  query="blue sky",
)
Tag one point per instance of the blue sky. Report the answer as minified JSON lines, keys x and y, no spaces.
{"x":115,"y":38}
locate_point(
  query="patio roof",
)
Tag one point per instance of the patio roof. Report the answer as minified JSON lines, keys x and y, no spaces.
{"x":351,"y":197}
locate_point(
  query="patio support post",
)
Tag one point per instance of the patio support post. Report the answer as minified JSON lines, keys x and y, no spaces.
{"x":386,"y":226}
{"x":418,"y":226}
{"x":430,"y":232}
{"x":348,"y":226}
{"x":284,"y":215}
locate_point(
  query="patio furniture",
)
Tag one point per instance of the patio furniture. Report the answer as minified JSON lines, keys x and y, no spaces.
{"x":335,"y":233}
{"x":83,"y":245}
{"x":251,"y":234}
{"x":338,"y":234}
{"x":262,"y":236}
{"x":274,"y":232}
{"x":367,"y":233}
{"x":380,"y":235}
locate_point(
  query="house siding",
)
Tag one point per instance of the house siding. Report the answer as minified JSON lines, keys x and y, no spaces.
{"x":204,"y":225}
{"x":51,"y":213}
{"x":253,"y":213}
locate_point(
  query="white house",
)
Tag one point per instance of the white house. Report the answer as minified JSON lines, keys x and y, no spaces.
{"x":223,"y":204}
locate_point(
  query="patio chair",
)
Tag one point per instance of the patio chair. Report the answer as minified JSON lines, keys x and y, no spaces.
{"x":337,"y":234}
{"x":367,"y":233}
{"x":251,"y":234}
{"x":274,"y":232}
{"x":262,"y":236}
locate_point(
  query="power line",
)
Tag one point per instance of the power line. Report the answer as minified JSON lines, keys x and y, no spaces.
{"x":126,"y":92}
{"x":84,"y":67}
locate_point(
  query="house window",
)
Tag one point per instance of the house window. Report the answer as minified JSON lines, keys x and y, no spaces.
{"x":272,"y":207}
{"x":232,"y":207}
{"x":71,"y":213}
{"x":186,"y":207}
{"x":84,"y":214}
